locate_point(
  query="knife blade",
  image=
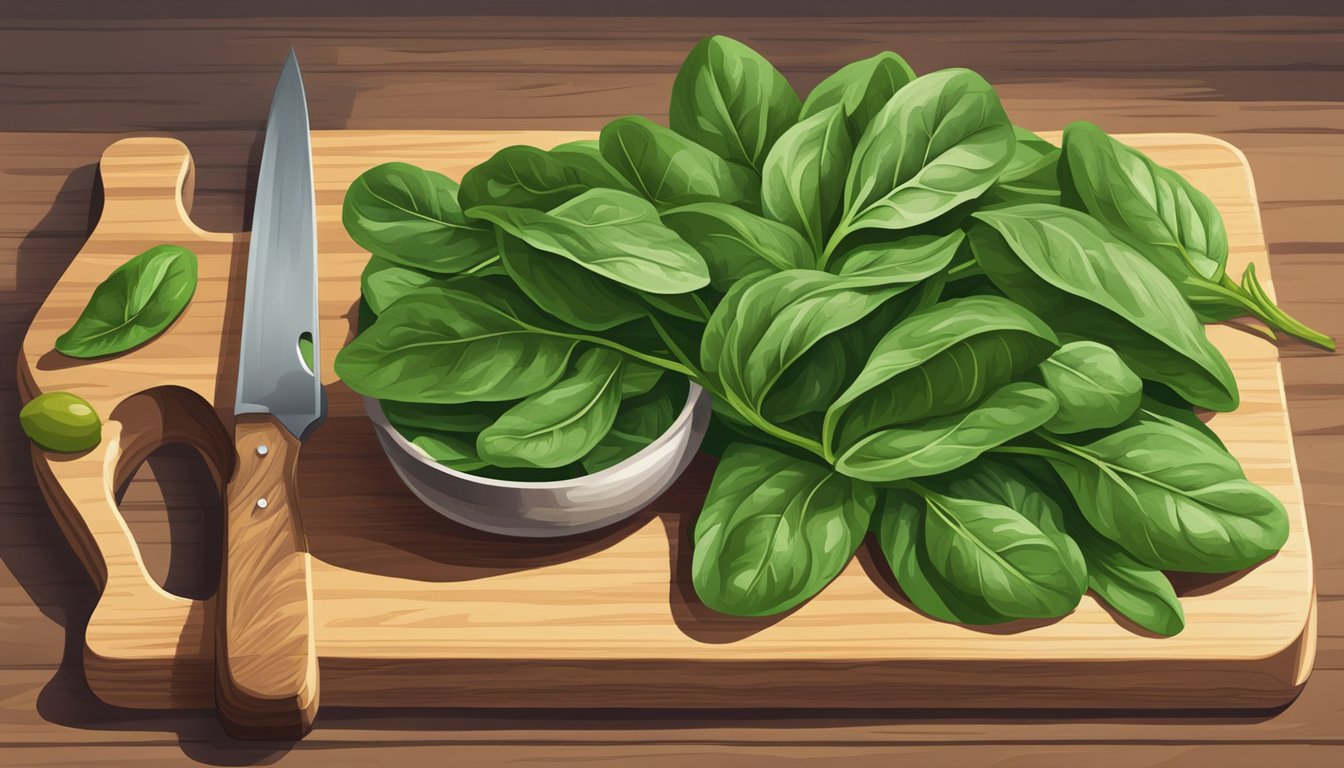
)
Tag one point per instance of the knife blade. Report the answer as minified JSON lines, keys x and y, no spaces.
{"x":265,"y":659}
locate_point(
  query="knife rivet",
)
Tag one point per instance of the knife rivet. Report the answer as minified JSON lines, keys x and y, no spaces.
{"x":261,"y":450}
{"x":261,"y":503}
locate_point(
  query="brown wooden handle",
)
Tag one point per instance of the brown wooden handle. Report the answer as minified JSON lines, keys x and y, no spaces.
{"x":266,"y":686}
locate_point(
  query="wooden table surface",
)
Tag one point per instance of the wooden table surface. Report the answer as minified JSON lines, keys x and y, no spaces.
{"x":77,"y":76}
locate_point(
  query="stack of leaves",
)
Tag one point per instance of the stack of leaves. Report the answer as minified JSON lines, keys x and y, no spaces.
{"x":914,"y":319}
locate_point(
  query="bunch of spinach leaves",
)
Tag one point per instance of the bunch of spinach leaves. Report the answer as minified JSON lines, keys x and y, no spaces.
{"x":914,"y":318}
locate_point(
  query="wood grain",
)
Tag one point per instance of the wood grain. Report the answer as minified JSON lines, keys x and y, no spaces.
{"x":265,"y":659}
{"x":1268,"y":84}
{"x":411,"y":610}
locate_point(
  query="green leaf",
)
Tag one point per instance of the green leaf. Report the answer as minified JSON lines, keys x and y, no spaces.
{"x":860,"y":89}
{"x":451,"y":450}
{"x":670,"y":170}
{"x":639,"y":422}
{"x":384,"y":281}
{"x":610,"y":233}
{"x":774,"y":531}
{"x":940,"y":444}
{"x":639,"y":378}
{"x":803,"y":181}
{"x":461,"y":417}
{"x":527,"y":177}
{"x":1141,"y":594}
{"x":899,"y":526}
{"x":1066,"y":267}
{"x":939,"y":361}
{"x":730,"y":99}
{"x":999,"y":556}
{"x":911,"y":259}
{"x":454,"y":345}
{"x":1031,"y":176}
{"x":940,"y":141}
{"x":1094,"y":386}
{"x":756,"y":333}
{"x":562,"y":423}
{"x":810,"y":383}
{"x":411,"y":216}
{"x":999,"y":481}
{"x":135,"y":303}
{"x":558,"y":285}
{"x":1153,"y":209}
{"x":1171,"y":498}
{"x":737,"y":244}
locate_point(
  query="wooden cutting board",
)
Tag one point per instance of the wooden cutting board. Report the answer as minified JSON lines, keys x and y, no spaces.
{"x":410,"y":609}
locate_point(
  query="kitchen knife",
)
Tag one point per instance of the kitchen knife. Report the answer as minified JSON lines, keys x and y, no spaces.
{"x":265,"y":662}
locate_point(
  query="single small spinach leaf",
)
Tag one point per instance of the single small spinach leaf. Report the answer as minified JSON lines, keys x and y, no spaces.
{"x":737,"y":244}
{"x":1171,"y":498}
{"x":899,"y":527}
{"x":527,"y":177}
{"x":1094,"y":386}
{"x":639,"y":378}
{"x":560,"y":424}
{"x":411,"y":216}
{"x":1066,"y":267}
{"x":1141,"y":594}
{"x":455,"y":345}
{"x":995,"y":553}
{"x":1031,"y":176}
{"x":447,"y":448}
{"x":803,"y":181}
{"x":939,"y":361}
{"x":860,"y":88}
{"x":575,"y":295}
{"x":908,"y":260}
{"x":1153,"y":209}
{"x":774,"y":531}
{"x":611,"y":233}
{"x":728,"y":98}
{"x":639,"y":422}
{"x":384,"y":281}
{"x":940,"y":141}
{"x":670,"y":170}
{"x":133,"y":304}
{"x":943,"y":443}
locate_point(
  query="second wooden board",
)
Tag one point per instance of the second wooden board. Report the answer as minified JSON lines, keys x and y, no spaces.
{"x":410,"y":609}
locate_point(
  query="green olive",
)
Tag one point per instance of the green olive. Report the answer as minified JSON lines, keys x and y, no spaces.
{"x":62,"y":422}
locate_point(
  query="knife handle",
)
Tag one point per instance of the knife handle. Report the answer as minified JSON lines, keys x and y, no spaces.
{"x":265,"y":660}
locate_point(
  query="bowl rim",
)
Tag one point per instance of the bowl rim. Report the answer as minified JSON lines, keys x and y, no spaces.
{"x":695,"y":393}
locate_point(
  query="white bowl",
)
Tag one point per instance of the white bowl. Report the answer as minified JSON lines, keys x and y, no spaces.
{"x":552,"y":508}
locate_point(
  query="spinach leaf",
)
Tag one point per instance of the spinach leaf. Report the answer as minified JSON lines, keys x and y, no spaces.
{"x":940,"y":141}
{"x":610,"y":233}
{"x":133,"y":304}
{"x":411,"y":216}
{"x":454,"y":345}
{"x":447,"y":448}
{"x":939,"y":361}
{"x":1066,"y":267}
{"x":943,"y":443}
{"x":1094,"y":386}
{"x":860,"y":89}
{"x":728,"y":98}
{"x":558,"y":285}
{"x":639,"y":378}
{"x":737,"y":244}
{"x":1141,"y":594}
{"x":1170,"y":497}
{"x":669,"y":170}
{"x":460,"y":417}
{"x":1160,"y":408}
{"x":899,"y":528}
{"x":527,"y":177}
{"x":907,"y":260}
{"x":774,"y":531}
{"x":384,"y":281}
{"x":560,"y":424}
{"x":810,"y":382}
{"x":803,"y":181}
{"x":1169,"y":222}
{"x":756,"y":333}
{"x":639,"y":422}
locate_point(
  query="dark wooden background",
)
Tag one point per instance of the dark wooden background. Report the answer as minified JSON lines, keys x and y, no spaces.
{"x":74,"y":76}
